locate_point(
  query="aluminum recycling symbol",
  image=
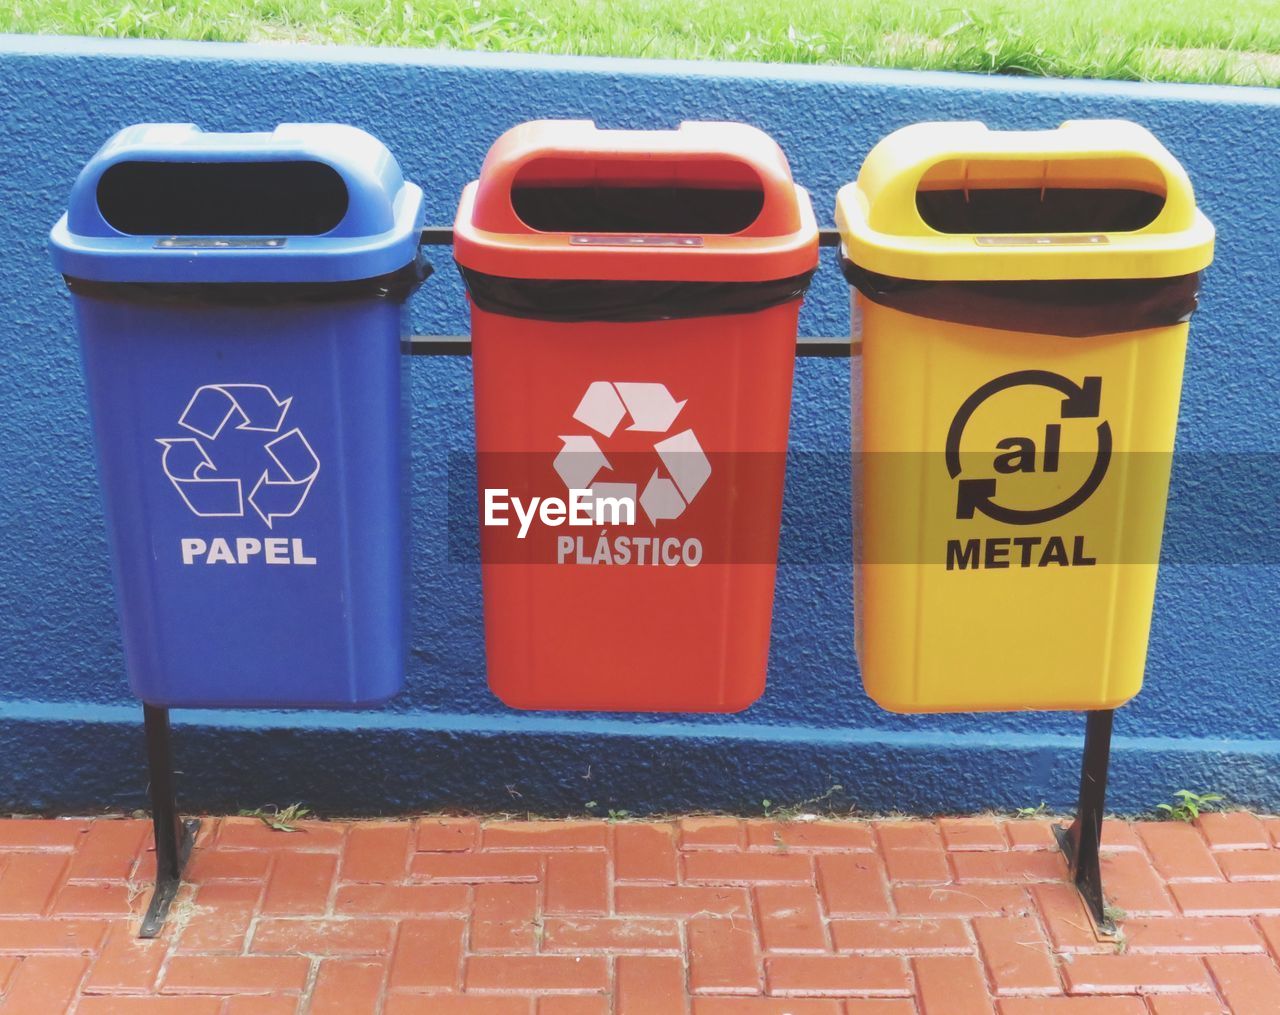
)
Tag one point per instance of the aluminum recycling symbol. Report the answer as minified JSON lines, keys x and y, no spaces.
{"x":190,"y":463}
{"x":650,"y":409}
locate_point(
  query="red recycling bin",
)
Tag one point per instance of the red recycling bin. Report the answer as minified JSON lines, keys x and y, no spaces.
{"x":634,"y":297}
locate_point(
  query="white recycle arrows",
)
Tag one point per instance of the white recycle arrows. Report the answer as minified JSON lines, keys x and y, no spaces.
{"x":650,"y":406}
{"x":193,"y":473}
{"x":600,"y":408}
{"x":214,"y":405}
{"x":685,"y":460}
{"x":283,"y":498}
{"x":579,"y":461}
{"x":185,"y":463}
{"x":652,"y":410}
{"x":661,"y":498}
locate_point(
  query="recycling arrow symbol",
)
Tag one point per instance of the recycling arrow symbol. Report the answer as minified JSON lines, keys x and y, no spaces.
{"x":280,"y":490}
{"x":1080,"y":401}
{"x":651,"y":410}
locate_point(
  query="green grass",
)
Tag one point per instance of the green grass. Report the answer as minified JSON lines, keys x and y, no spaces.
{"x":1228,"y":42}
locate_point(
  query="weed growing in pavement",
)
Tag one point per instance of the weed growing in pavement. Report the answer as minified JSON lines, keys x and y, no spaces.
{"x":279,"y":818}
{"x":1189,"y":805}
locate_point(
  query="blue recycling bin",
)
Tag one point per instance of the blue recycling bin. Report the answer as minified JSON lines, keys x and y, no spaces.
{"x":239,"y":300}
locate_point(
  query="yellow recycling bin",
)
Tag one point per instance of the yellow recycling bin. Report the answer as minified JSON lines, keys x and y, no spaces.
{"x":1022,"y":299}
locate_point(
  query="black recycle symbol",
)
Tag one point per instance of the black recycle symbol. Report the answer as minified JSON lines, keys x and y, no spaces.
{"x":1080,"y":401}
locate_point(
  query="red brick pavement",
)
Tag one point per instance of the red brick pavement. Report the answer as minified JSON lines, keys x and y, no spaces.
{"x":702,"y":916}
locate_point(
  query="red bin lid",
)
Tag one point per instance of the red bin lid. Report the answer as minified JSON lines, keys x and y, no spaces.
{"x":707,"y":202}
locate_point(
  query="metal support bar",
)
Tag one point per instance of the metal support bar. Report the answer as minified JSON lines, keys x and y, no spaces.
{"x":442,"y":236}
{"x":1082,"y":841}
{"x":174,"y":837}
{"x":460,"y":345}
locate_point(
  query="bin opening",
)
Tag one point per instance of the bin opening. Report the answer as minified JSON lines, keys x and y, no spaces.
{"x":557,"y":195}
{"x":1076,"y":196}
{"x":222,"y":198}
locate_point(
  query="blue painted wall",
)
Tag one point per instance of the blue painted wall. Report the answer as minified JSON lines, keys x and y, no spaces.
{"x":69,"y":732}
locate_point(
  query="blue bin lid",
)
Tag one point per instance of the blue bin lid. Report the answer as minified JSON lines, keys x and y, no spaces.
{"x":306,"y":202}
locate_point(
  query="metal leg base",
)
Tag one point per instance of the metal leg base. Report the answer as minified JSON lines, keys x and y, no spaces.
{"x":1082,"y":841}
{"x":1087,"y":877}
{"x":167,"y":887}
{"x":174,"y":836}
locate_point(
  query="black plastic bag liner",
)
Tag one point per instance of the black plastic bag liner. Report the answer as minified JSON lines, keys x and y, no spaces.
{"x":572,"y":301}
{"x":396,"y":286}
{"x":1072,"y":308}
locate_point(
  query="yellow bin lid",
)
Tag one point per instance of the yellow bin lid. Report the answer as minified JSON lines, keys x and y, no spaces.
{"x":1092,"y":199}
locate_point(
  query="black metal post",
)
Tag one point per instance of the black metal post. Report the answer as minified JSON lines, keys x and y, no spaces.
{"x":174,"y":837}
{"x":1082,"y":841}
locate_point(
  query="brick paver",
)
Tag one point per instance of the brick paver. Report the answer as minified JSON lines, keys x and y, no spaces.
{"x":697,"y":916}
